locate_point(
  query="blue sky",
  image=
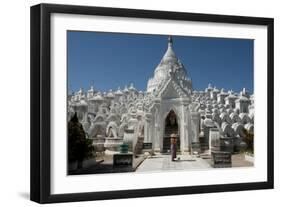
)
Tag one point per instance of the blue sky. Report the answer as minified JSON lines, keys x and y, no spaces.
{"x":115,"y":59}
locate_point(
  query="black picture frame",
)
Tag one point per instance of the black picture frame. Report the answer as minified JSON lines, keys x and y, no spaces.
{"x":41,"y":95}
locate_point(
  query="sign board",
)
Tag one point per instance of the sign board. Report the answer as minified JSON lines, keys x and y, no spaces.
{"x":221,"y":159}
{"x":147,"y":145}
{"x":123,"y":160}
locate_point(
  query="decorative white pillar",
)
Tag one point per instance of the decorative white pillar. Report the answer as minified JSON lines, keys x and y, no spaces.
{"x":195,"y":120}
{"x":214,"y":140}
{"x":147,"y":124}
{"x":157,"y":146}
{"x":185,"y":126}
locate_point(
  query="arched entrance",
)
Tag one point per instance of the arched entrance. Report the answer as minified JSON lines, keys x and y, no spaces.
{"x":171,"y":127}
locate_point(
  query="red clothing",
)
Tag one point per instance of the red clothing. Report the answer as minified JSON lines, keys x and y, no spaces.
{"x":173,"y":150}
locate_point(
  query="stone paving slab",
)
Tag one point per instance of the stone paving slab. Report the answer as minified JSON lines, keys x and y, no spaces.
{"x":164,"y":163}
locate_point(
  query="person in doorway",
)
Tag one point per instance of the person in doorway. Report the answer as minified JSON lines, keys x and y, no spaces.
{"x":173,"y":146}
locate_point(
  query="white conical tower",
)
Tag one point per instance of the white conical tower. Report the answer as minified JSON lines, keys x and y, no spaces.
{"x":168,"y":63}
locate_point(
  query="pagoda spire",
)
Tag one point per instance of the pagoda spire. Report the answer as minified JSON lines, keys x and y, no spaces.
{"x":170,"y":41}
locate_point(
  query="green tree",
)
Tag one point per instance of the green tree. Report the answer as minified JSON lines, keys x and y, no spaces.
{"x":249,"y":139}
{"x":79,"y":147}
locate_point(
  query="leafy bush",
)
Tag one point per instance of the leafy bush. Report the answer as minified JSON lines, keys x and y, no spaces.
{"x":79,"y":147}
{"x":249,"y":139}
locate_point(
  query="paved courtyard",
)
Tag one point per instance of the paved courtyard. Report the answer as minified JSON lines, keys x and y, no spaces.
{"x":185,"y":162}
{"x":163,"y":162}
{"x":157,"y":163}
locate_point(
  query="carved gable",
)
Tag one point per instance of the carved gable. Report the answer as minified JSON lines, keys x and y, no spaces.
{"x":169,"y":92}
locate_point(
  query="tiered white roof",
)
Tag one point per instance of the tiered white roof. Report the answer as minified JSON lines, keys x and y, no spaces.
{"x":169,"y":66}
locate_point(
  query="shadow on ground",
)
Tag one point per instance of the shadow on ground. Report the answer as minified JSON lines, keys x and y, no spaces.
{"x":24,"y":195}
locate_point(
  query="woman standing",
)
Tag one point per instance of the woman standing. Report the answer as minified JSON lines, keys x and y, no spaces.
{"x":173,"y":146}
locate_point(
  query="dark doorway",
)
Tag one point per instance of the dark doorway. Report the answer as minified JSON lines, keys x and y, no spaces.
{"x":171,"y":127}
